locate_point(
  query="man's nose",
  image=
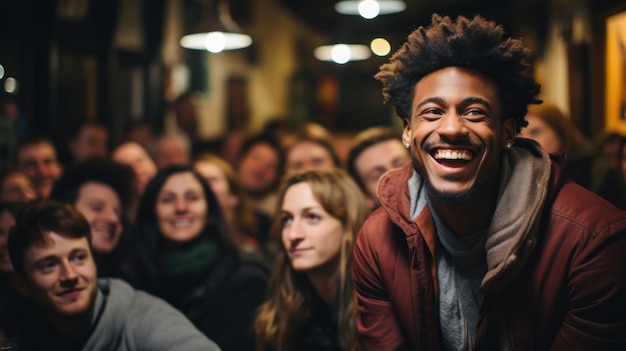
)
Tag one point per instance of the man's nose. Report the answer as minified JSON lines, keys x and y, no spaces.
{"x":452,"y":124}
{"x":68,"y":273}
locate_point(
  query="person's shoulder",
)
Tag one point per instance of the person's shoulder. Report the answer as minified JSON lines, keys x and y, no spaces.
{"x":379,"y":220}
{"x":126,"y":298}
{"x":389,"y":182}
{"x":584,"y":208}
{"x":251,"y":270}
{"x":379,"y":235}
{"x":116,"y":284}
{"x":147,"y":322}
{"x":116,"y":290}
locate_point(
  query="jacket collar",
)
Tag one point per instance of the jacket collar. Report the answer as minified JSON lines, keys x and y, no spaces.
{"x":512,"y":234}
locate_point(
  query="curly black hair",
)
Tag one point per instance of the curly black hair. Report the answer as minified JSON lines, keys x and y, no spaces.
{"x":477,"y":44}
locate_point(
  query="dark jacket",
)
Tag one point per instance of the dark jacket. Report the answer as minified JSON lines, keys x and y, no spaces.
{"x":556,"y":277}
{"x":321,"y":333}
{"x":220,"y":301}
{"x":10,"y":302}
{"x":592,"y":171}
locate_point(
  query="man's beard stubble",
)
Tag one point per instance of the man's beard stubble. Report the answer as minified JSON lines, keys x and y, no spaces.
{"x":457,"y":198}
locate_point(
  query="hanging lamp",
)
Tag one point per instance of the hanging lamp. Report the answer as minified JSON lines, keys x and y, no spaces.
{"x":342,"y":53}
{"x":369,"y":9}
{"x":217,"y":32}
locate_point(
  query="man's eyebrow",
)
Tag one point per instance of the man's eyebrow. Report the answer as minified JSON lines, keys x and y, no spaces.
{"x":441,"y":101}
{"x":437,"y":100}
{"x":374,"y":169}
{"x":474,"y":99}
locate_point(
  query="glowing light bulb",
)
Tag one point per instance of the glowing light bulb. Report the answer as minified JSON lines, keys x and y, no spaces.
{"x":369,"y":9}
{"x":380,"y":47}
{"x":340,"y":53}
{"x":215,"y":42}
{"x":10,"y":85}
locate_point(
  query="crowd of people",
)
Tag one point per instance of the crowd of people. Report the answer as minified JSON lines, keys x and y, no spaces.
{"x":487,"y":222}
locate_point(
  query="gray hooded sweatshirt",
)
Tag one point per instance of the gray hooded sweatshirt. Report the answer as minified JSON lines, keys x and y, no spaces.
{"x":126,"y":319}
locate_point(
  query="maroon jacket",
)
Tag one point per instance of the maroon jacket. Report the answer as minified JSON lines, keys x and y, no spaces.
{"x":559,"y":285}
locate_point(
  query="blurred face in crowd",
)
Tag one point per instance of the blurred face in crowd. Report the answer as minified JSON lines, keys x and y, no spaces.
{"x":135,"y":155}
{"x":457,"y":134}
{"x":217,"y":180}
{"x":258,"y":168}
{"x":100,"y":205}
{"x":377,"y":159}
{"x":60,"y":276}
{"x":310,"y":235}
{"x":181,"y":208}
{"x":6,"y":222}
{"x":16,"y":187}
{"x":170,"y":150}
{"x":542,"y":133}
{"x":39,"y":163}
{"x":231,"y":149}
{"x":91,"y":141}
{"x":308,"y":154}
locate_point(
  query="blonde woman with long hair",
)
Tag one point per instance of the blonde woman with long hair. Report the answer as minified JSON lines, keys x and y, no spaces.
{"x":310,"y":303}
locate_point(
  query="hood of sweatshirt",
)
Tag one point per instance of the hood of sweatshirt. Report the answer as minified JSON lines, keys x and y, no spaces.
{"x":512,"y":232}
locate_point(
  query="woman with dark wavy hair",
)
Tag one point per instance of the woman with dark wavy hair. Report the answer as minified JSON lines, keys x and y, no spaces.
{"x":187,"y":256}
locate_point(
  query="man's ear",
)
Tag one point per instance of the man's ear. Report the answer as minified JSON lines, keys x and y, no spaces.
{"x":510,"y":130}
{"x":406,"y":132}
{"x":19,"y":282}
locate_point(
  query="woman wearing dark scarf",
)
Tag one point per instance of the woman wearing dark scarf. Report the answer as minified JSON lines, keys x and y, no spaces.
{"x":311,"y":304}
{"x":186,"y":255}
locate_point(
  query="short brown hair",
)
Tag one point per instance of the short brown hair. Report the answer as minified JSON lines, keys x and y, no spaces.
{"x":364,"y":140}
{"x":39,"y":217}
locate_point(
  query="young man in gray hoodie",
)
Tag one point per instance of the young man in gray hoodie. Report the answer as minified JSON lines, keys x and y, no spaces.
{"x":71,"y":308}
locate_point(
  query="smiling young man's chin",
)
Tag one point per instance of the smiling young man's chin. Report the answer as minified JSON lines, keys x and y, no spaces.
{"x":455,"y":198}
{"x":83,"y":304}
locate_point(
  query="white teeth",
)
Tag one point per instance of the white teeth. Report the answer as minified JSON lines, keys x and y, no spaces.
{"x":105,"y":229}
{"x":182,"y":222}
{"x":452,"y":155}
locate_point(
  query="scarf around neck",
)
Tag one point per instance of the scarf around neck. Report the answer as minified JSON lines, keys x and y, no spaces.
{"x":196,"y":257}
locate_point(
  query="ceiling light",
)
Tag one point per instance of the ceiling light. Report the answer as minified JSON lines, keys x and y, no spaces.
{"x":342,"y":53}
{"x":369,"y":8}
{"x":10,"y":85}
{"x":380,"y":47}
{"x":217,"y":33}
